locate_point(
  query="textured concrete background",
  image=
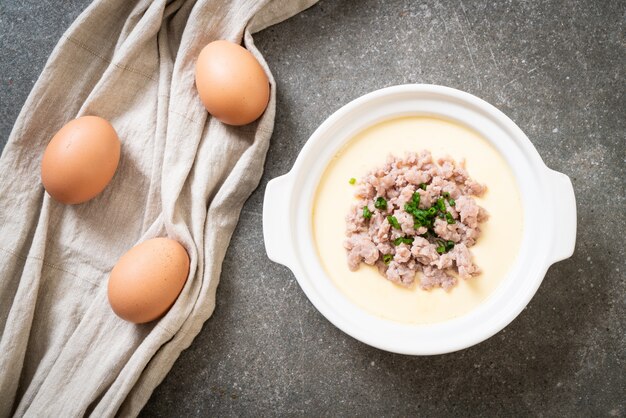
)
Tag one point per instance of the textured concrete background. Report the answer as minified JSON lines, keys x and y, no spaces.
{"x":556,"y":68}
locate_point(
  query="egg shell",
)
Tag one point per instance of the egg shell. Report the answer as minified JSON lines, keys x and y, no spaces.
{"x":231,"y":83}
{"x":80,"y":160}
{"x":146,"y":281}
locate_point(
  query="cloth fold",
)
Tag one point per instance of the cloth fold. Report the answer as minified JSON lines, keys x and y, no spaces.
{"x":182,"y":174}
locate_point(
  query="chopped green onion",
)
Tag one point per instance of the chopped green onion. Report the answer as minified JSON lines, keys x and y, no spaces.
{"x":366,"y":212}
{"x":394,"y":221}
{"x":352,"y":180}
{"x":441,"y":205}
{"x":380,"y":203}
{"x":420,"y":217}
{"x":387,"y":258}
{"x":423,"y":186}
{"x":444,"y":246}
{"x":426,"y":217}
{"x":402,"y":240}
{"x":413,"y":210}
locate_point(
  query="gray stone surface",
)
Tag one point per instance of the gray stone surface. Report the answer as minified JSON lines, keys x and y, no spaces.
{"x":556,"y":68}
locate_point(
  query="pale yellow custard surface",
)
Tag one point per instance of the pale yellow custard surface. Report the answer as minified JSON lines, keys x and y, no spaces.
{"x":496,"y":249}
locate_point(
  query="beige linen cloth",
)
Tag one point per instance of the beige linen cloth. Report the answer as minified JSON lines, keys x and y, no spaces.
{"x":182,"y":174}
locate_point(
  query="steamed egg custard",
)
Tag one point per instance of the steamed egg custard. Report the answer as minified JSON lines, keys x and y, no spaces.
{"x":494,"y":251}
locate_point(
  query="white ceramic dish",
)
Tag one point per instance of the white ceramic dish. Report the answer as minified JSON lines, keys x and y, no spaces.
{"x":547,"y":198}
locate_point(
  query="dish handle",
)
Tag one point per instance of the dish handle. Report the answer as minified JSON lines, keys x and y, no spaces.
{"x":564,"y":204}
{"x":276,"y":221}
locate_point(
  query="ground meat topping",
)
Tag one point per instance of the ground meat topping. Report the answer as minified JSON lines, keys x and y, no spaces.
{"x":414,"y":214}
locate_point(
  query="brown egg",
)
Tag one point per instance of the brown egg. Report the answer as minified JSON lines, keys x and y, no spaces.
{"x":232,"y":84}
{"x":80,"y":160}
{"x":146,"y":281}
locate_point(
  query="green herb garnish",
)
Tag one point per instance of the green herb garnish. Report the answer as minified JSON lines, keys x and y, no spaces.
{"x":444,"y":246}
{"x":421,"y":217}
{"x":366,"y":212}
{"x":352,"y":180}
{"x":441,"y":205}
{"x":426,"y":217}
{"x":403,"y":240}
{"x":413,"y":205}
{"x":380,"y":203}
{"x":387,"y":258}
{"x":394,"y":221}
{"x":422,"y":186}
